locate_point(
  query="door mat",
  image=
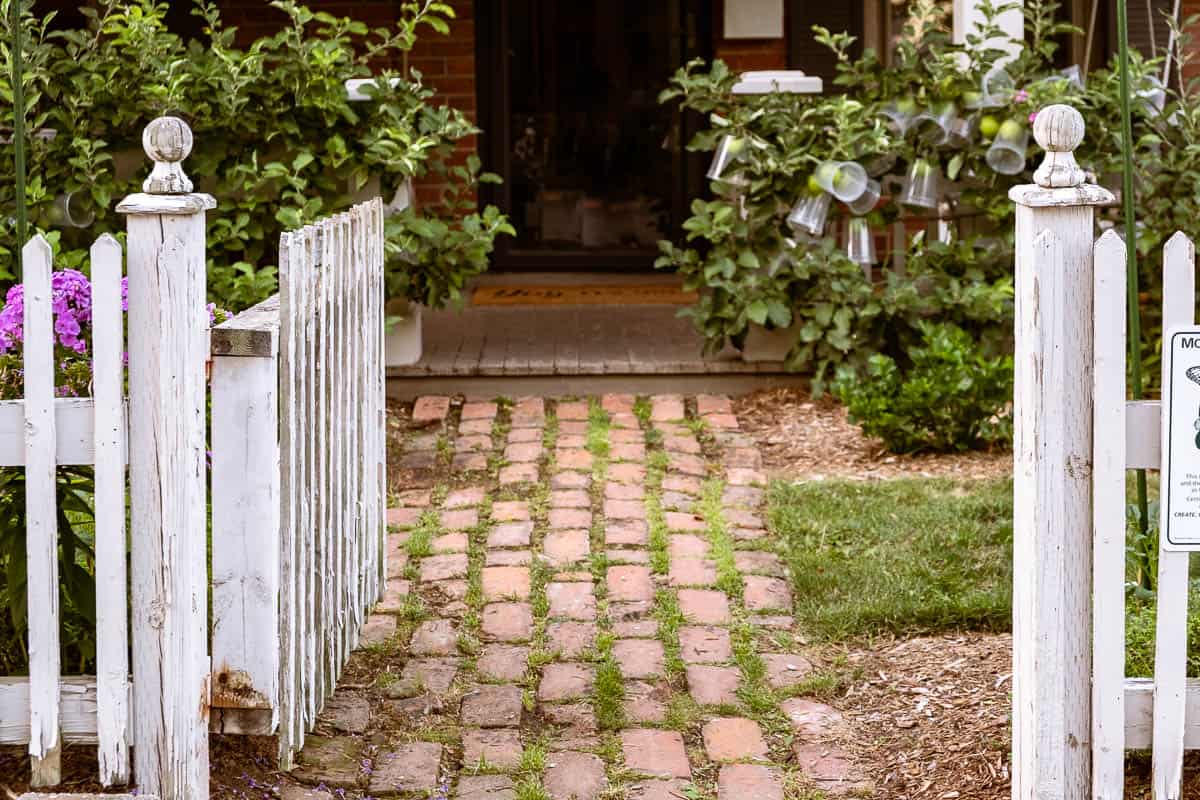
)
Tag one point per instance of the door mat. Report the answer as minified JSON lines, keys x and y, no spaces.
{"x":582,"y":295}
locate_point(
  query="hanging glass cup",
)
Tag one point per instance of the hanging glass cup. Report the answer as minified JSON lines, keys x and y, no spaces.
{"x":725,"y":161}
{"x":1007,"y":154}
{"x":922,"y":185}
{"x":998,"y":88}
{"x":961,"y":131}
{"x":899,"y":114}
{"x":810,"y":212}
{"x":867,"y":201}
{"x":1153,"y":97}
{"x":845,"y":180}
{"x":933,"y":124}
{"x":73,"y":210}
{"x":860,"y":242}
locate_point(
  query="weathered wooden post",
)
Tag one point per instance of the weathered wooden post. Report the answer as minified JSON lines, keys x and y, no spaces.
{"x":1052,"y":516}
{"x":168,"y":346}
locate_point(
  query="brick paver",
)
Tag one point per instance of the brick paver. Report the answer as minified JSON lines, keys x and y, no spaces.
{"x":655,"y":752}
{"x":549,"y":557}
{"x":734,"y":739}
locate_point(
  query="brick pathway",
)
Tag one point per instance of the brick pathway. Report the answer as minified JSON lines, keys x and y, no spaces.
{"x":584,"y":602}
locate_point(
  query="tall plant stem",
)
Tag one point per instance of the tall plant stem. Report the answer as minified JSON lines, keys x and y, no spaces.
{"x":18,"y":87}
{"x":1135,"y":311}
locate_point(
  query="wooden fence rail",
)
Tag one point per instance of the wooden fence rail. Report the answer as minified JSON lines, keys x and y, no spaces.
{"x":298,"y":552}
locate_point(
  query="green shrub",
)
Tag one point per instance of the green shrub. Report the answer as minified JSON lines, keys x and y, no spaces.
{"x":951,"y":397}
{"x":277,"y":140}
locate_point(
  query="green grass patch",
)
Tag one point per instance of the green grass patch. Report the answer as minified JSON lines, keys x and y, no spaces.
{"x":642,"y":410}
{"x":420,"y":538}
{"x":659,"y":538}
{"x":899,"y":556}
{"x":609,"y":699}
{"x":729,"y":579}
{"x":670,"y":618}
{"x":599,"y":425}
{"x":915,"y":556}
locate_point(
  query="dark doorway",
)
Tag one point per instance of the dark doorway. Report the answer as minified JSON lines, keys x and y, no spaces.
{"x":594,"y":168}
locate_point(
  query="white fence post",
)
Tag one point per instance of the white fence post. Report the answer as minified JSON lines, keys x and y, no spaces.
{"x":245,"y":519}
{"x":168,"y":347}
{"x":1052,"y":519}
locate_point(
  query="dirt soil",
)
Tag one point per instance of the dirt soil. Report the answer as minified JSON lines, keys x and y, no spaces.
{"x":806,"y":439}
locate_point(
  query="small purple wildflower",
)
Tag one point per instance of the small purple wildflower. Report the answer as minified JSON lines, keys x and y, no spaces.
{"x":1021,"y":96}
{"x":1032,"y":116}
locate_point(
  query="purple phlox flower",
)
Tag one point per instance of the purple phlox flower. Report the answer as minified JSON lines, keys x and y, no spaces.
{"x":1032,"y":116}
{"x":125,"y":293}
{"x":1021,"y":96}
{"x":71,"y":299}
{"x":212,"y":313}
{"x":12,"y":318}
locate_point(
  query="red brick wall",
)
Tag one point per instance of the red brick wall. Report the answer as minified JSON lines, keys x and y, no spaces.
{"x":743,"y":55}
{"x":1188,"y":8}
{"x":447,"y":64}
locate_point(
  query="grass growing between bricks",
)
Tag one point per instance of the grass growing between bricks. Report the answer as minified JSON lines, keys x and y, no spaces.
{"x":529,"y":774}
{"x":470,"y":632}
{"x":729,"y":579}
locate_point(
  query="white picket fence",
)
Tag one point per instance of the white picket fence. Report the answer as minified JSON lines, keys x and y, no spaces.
{"x":298,"y":551}
{"x":1075,"y":713}
{"x":39,"y":433}
{"x":299,"y":490}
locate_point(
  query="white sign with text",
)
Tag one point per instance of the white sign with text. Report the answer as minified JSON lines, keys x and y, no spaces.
{"x":1181,"y":441}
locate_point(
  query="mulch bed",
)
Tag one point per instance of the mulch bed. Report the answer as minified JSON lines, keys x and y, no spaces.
{"x":802,"y":438}
{"x":930,"y":716}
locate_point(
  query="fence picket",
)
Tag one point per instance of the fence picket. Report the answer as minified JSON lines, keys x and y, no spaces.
{"x":1170,"y":652}
{"x":350,"y":266}
{"x":341,"y":560}
{"x":312,"y":510}
{"x":112,"y":608}
{"x":324,"y":508}
{"x":379,"y":535}
{"x":1108,"y":472}
{"x":289,"y":734}
{"x":355,"y":398}
{"x":41,"y":517}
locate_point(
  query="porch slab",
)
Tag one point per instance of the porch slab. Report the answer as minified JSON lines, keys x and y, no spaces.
{"x":555,"y":349}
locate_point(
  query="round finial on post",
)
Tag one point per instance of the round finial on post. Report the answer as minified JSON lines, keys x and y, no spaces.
{"x":167,"y":141}
{"x":1059,"y":130}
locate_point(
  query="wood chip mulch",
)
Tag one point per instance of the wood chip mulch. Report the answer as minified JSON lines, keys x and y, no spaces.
{"x":806,"y":439}
{"x":931,"y":716}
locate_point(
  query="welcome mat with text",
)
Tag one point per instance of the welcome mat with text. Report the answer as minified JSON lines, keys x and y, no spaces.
{"x":650,"y":294}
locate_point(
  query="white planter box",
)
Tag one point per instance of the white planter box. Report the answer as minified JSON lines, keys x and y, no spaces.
{"x":770,"y":345}
{"x":402,"y":343}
